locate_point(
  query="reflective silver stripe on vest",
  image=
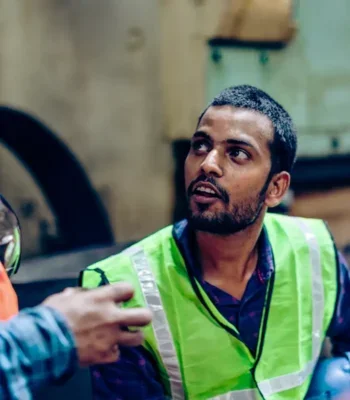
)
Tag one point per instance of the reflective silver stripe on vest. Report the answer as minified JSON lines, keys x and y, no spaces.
{"x":160,"y":323}
{"x":290,"y":381}
{"x":248,"y":394}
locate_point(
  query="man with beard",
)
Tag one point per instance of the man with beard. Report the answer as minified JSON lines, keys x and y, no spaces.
{"x":242,"y":299}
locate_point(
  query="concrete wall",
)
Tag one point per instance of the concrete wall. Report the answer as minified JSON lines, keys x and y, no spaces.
{"x":90,"y":70}
{"x":186,"y":25}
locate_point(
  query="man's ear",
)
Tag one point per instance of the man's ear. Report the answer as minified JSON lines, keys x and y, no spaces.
{"x":278,"y":187}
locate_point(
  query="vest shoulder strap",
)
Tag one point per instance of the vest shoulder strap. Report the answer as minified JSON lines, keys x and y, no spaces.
{"x":119,"y":268}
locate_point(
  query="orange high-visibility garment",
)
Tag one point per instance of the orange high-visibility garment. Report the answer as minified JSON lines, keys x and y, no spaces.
{"x":8,"y":297}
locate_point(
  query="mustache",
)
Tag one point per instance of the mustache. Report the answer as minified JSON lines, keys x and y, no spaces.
{"x":209,"y":179}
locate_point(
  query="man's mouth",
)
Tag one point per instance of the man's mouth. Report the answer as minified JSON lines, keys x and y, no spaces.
{"x":205,"y":193}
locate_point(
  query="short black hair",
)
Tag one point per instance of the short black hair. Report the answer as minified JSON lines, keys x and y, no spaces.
{"x":284,"y":145}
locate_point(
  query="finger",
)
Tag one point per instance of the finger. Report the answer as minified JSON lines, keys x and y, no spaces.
{"x":132,"y":316}
{"x":102,"y":357}
{"x":69,"y":290}
{"x":110,"y":356}
{"x":126,"y":338}
{"x":117,"y":292}
{"x":108,"y":359}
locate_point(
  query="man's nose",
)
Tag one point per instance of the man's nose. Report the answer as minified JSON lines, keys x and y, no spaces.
{"x":211,"y":164}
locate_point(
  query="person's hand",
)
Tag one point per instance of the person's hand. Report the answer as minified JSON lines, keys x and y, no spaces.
{"x":98,"y":324}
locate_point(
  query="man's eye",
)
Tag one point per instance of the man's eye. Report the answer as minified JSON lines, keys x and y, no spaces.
{"x":238,"y":154}
{"x":200,"y":146}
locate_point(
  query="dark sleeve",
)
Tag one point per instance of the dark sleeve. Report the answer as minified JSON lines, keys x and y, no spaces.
{"x":36,"y":348}
{"x":133,"y":376}
{"x":339,"y":330}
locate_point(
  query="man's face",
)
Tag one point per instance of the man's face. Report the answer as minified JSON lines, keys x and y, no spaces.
{"x":227,"y":168}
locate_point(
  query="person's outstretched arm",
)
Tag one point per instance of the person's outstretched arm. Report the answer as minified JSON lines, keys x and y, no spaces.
{"x":76,"y":327}
{"x":36,"y":348}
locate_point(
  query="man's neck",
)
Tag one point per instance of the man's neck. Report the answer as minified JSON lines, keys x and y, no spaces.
{"x":228,"y":262}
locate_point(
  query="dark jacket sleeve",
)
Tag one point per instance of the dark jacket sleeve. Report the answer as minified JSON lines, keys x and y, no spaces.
{"x":339,"y":330}
{"x":133,"y":376}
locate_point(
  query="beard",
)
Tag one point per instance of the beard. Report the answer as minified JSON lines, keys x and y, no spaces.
{"x":237,"y":218}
